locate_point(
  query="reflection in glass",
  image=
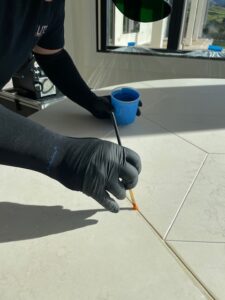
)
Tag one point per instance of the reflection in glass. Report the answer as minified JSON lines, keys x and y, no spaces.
{"x":204,"y":24}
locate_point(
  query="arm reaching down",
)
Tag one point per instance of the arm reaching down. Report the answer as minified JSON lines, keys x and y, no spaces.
{"x":90,"y":165}
{"x":59,"y":67}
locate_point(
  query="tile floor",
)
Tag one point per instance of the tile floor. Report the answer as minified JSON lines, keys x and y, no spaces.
{"x":57,"y":244}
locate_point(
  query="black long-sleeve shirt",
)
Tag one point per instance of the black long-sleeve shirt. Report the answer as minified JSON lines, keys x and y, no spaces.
{"x":24,"y":143}
{"x":24,"y":24}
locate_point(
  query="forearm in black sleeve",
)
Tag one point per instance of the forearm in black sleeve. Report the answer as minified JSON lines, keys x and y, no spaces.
{"x":26,"y":144}
{"x":63,"y":73}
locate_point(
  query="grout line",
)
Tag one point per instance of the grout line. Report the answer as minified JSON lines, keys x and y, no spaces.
{"x":177,"y":135}
{"x":212,"y":153}
{"x":201,"y":285}
{"x":199,"y":242}
{"x":185,"y":196}
{"x":194,"y":277}
{"x":194,"y":145}
{"x":203,"y":289}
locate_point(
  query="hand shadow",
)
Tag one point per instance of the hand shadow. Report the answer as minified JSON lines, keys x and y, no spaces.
{"x":23,"y":222}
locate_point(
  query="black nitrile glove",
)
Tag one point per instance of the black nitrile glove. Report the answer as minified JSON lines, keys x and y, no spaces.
{"x":97,"y":167}
{"x":90,"y":165}
{"x":101,"y":107}
{"x":139,"y":110}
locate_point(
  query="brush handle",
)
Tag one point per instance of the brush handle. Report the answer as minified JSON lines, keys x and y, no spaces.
{"x":116,"y":129}
{"x":119,"y":142}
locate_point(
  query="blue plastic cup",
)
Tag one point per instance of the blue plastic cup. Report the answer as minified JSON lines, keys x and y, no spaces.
{"x":125,"y":101}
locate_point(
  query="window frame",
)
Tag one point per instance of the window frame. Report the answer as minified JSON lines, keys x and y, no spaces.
{"x":174,"y":35}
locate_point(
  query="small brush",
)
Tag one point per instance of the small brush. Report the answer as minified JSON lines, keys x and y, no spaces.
{"x":135,"y":206}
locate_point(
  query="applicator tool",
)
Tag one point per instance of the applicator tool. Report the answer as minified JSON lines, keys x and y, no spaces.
{"x":135,"y":206}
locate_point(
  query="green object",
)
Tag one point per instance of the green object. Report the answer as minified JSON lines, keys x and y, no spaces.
{"x":144,"y":10}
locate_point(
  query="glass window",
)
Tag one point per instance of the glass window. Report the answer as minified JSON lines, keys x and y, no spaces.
{"x":123,"y":31}
{"x":204,"y":24}
{"x":193,"y":28}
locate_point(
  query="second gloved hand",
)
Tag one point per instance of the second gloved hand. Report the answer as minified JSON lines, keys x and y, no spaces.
{"x":97,"y":168}
{"x":101,"y":107}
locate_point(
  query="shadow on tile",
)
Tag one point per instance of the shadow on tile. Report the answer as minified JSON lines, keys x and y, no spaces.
{"x":183,"y":109}
{"x":22,"y":222}
{"x":179,"y":109}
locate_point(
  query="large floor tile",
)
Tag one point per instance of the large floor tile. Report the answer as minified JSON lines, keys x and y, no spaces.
{"x":69,"y":119}
{"x":202,"y":215}
{"x":27,"y":185}
{"x":135,"y":85}
{"x":188,"y":100}
{"x":169,"y":167}
{"x":207,"y":261}
{"x":178,"y":82}
{"x":183,"y":82}
{"x":178,"y":95}
{"x":193,"y":113}
{"x":204,"y":132}
{"x":169,"y":163}
{"x":60,"y":244}
{"x":55,"y":245}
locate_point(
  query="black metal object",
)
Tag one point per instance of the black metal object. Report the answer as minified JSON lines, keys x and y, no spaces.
{"x":176,"y":21}
{"x":18,"y":108}
{"x":103,"y":21}
{"x":30,"y":81}
{"x":97,"y":25}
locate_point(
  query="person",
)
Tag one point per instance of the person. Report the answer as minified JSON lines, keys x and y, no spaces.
{"x":93,"y":166}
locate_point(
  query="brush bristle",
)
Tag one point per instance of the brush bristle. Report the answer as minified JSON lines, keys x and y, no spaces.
{"x":135,"y":207}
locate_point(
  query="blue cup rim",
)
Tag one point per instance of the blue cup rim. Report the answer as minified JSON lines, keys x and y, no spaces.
{"x":129,"y":88}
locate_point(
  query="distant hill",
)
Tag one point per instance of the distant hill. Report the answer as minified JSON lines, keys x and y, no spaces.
{"x":218,"y":2}
{"x":215,"y":25}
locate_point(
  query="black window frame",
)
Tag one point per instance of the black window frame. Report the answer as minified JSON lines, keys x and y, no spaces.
{"x":174,"y":35}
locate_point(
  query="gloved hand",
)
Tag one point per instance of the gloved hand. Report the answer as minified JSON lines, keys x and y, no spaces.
{"x":97,"y":167}
{"x":101,"y":107}
{"x":90,"y":165}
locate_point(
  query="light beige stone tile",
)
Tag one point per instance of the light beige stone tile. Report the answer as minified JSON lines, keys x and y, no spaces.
{"x":183,"y":82}
{"x":204,"y":132}
{"x":61,"y":247}
{"x":169,"y":167}
{"x":168,"y":83}
{"x":135,"y":85}
{"x":27,"y":185}
{"x":69,"y":119}
{"x":64,"y":245}
{"x":202,"y":216}
{"x":207,"y":261}
{"x":188,"y":100}
{"x":195,"y":113}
